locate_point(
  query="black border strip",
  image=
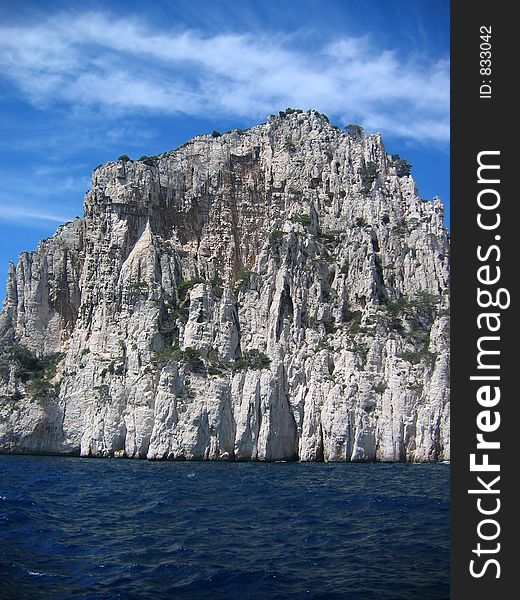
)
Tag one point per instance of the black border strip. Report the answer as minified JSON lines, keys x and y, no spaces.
{"x":482,"y":122}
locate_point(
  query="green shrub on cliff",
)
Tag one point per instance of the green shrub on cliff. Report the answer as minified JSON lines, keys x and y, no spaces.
{"x":252,"y":359}
{"x":368,"y":174}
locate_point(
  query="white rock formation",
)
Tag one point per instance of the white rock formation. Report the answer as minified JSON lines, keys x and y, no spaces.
{"x":278,"y":293}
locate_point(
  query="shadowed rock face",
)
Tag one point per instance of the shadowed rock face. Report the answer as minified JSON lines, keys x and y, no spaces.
{"x":278,"y":293}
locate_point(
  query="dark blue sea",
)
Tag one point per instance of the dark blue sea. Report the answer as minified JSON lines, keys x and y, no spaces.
{"x":95,"y":529}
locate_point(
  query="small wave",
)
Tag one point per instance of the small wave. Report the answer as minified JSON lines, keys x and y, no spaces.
{"x":18,"y":499}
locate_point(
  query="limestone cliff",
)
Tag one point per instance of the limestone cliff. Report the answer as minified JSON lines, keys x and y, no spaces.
{"x":275,"y":293}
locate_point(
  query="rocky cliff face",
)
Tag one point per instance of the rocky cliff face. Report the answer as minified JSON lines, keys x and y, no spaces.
{"x":275,"y":293}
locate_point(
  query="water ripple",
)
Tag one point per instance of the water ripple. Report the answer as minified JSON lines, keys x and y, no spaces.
{"x":106,"y":529}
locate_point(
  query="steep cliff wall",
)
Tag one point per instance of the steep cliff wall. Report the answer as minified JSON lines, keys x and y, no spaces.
{"x":277,"y":293}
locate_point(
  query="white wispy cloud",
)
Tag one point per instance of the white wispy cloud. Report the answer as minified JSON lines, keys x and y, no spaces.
{"x":48,"y":197}
{"x":21,"y":214}
{"x":120,"y":64}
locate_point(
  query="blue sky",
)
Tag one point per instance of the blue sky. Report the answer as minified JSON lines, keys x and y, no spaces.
{"x":82,"y":83}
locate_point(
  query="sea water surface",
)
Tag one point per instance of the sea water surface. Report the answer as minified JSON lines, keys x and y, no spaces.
{"x":92,"y":529}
